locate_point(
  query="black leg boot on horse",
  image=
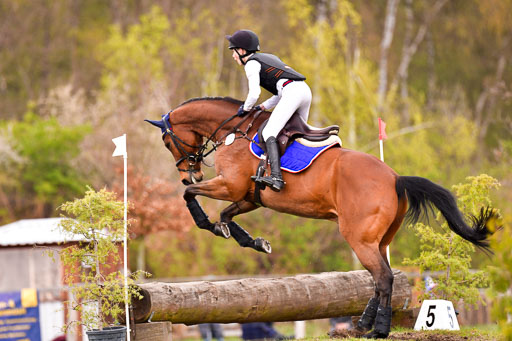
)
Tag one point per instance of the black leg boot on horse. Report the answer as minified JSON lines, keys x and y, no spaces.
{"x":367,"y":320}
{"x":202,"y":221}
{"x":244,"y":239}
{"x":382,"y":324}
{"x":275,"y":180}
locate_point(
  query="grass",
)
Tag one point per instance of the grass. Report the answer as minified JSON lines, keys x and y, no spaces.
{"x":318,"y":329}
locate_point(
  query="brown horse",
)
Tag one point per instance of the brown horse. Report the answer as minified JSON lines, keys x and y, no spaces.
{"x":363,"y":195}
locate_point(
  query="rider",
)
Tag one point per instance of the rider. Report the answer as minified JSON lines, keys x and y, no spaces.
{"x":291,"y":94}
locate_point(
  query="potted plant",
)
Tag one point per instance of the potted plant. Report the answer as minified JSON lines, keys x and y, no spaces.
{"x":92,"y":267}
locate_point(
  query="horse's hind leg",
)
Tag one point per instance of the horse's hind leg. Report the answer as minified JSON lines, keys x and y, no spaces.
{"x":395,"y":225}
{"x":365,"y":243}
{"x":243,"y":237}
{"x":378,"y":309}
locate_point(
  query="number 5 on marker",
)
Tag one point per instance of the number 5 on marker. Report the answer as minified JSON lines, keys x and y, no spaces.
{"x":437,"y":314}
{"x":430,"y":314}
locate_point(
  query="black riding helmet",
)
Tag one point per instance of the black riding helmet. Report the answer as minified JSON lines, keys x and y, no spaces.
{"x":245,"y":39}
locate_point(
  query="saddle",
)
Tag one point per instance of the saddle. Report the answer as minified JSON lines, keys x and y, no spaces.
{"x":296,"y":128}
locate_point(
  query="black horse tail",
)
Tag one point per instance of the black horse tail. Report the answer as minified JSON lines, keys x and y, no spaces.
{"x":423,"y":195}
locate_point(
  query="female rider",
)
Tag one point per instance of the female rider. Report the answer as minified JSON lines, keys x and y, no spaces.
{"x":291,"y":94}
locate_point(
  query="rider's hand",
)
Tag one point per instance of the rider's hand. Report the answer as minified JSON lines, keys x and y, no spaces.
{"x":241,"y":112}
{"x":258,"y":108}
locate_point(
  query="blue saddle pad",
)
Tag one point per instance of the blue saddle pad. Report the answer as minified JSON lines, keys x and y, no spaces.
{"x":297,"y":156}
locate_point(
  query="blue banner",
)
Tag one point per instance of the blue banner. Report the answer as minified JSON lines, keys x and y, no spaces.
{"x":19,"y":316}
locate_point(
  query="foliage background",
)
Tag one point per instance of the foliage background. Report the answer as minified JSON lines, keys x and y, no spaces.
{"x":76,"y":73}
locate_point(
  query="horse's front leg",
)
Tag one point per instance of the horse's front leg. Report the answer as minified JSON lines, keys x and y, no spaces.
{"x":215,"y":189}
{"x":220,"y":189}
{"x":201,"y":219}
{"x":243,"y":238}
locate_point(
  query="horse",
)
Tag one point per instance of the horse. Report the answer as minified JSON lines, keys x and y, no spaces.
{"x":365,"y":197}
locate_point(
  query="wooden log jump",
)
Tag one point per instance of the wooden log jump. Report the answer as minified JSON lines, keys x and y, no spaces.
{"x":302,"y":297}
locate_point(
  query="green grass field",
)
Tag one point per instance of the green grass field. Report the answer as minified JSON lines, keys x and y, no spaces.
{"x":318,"y":330}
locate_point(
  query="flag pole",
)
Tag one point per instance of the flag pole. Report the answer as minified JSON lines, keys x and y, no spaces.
{"x":382,"y":136}
{"x":381,"y":145}
{"x":120,"y":150}
{"x":125,"y":244}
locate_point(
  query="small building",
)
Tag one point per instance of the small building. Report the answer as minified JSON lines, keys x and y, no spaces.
{"x":26,"y":263}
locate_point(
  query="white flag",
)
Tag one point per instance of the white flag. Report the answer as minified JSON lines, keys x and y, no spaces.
{"x":120,"y":143}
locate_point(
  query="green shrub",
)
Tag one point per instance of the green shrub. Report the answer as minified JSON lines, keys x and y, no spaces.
{"x":99,"y":219}
{"x":449,"y":256}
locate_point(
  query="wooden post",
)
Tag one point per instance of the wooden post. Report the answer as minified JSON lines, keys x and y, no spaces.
{"x":302,"y":297}
{"x":154,"y":331}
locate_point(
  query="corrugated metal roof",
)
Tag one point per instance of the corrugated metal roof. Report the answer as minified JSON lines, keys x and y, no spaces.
{"x":35,"y":231}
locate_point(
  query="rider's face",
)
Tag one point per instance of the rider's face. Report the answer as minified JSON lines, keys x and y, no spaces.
{"x":236,"y":57}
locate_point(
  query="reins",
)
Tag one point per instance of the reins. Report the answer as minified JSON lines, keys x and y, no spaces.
{"x":201,"y":154}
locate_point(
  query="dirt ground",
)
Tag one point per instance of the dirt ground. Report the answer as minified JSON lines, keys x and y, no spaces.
{"x":426,"y":336}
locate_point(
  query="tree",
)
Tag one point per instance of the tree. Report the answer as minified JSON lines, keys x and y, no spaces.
{"x":99,"y":218}
{"x":384,"y":48}
{"x":449,"y":254}
{"x":9,"y":159}
{"x":326,"y":52}
{"x":501,"y":279}
{"x":43,"y":167}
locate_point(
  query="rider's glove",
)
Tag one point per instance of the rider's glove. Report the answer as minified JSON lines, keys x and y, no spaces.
{"x":258,"y":108}
{"x":241,"y":112}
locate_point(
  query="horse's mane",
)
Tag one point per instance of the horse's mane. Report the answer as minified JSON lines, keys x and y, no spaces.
{"x":227,"y":99}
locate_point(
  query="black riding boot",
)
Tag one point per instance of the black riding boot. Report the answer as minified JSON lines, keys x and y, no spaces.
{"x":275,"y":180}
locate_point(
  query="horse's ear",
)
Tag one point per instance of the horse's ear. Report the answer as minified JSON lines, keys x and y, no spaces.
{"x":158,"y":124}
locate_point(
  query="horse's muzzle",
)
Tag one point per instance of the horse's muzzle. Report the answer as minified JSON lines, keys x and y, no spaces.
{"x":193,"y":178}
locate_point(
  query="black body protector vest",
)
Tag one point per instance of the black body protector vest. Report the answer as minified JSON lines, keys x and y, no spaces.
{"x":272,"y":70}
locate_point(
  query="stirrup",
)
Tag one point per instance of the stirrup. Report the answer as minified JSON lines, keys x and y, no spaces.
{"x":275,"y":184}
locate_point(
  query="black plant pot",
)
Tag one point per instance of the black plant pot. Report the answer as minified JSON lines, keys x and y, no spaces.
{"x":108,"y":333}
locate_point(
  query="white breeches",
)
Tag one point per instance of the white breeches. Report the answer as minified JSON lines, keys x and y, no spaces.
{"x":296,"y":96}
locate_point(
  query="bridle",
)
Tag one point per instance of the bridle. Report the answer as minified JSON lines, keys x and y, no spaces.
{"x":199,"y":156}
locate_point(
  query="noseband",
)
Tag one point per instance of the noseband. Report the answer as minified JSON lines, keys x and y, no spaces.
{"x":193,"y":158}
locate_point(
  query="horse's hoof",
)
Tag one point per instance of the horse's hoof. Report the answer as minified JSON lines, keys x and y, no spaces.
{"x":262,"y":245}
{"x":357,"y":332}
{"x":375,"y":335}
{"x":222,"y":230}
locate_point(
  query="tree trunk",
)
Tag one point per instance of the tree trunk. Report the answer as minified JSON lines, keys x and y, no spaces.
{"x":352,"y":59}
{"x":317,"y":81}
{"x":410,"y":51}
{"x":487,"y":98}
{"x":404,"y":90}
{"x":431,"y":54}
{"x":389,"y":28}
{"x":301,"y":297}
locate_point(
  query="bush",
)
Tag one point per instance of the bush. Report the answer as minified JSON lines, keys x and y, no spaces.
{"x":448,"y":254}
{"x":95,"y":263}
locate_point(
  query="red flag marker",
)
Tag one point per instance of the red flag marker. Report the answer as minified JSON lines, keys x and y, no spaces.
{"x":382,"y":130}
